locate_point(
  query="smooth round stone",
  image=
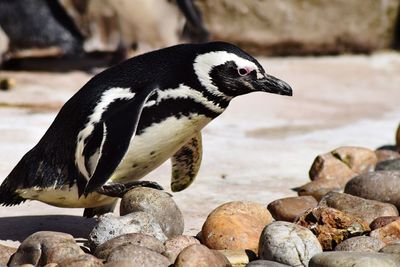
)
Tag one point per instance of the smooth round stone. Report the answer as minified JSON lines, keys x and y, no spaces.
{"x":319,"y":188}
{"x":360,"y":244}
{"x":382,"y":221}
{"x":265,"y":263}
{"x":388,"y":233}
{"x":287,"y":209}
{"x":175,"y":245}
{"x":199,"y":256}
{"x":5,"y":254}
{"x":150,"y":242}
{"x":382,"y":186}
{"x":157,"y":203}
{"x":235,"y":225}
{"x":137,"y":256}
{"x":110,"y":226}
{"x":288,"y":243}
{"x":85,"y":260}
{"x":388,"y":165}
{"x":353,"y":259}
{"x":386,"y":154}
{"x":393,"y":248}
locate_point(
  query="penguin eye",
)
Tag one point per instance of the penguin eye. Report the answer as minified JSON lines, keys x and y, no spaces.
{"x":243,"y":71}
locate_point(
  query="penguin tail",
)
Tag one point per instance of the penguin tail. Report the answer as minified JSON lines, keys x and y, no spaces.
{"x":8,"y":194}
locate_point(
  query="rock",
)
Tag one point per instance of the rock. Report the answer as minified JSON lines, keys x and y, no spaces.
{"x":157,"y":203}
{"x":388,"y":233}
{"x":235,"y":225}
{"x":265,"y":263}
{"x":45,"y":247}
{"x":137,"y":256}
{"x":110,"y":226}
{"x":175,"y":245}
{"x":388,"y":165}
{"x":318,"y":188}
{"x":360,"y":244}
{"x":288,"y":243}
{"x":398,"y":138}
{"x":365,"y":209}
{"x":358,"y":159}
{"x":332,"y":226}
{"x":382,"y":186}
{"x":391,"y":249}
{"x":5,"y":254}
{"x":238,"y":257}
{"x":386,"y":154}
{"x":353,"y":259}
{"x":150,"y":242}
{"x":85,"y":260}
{"x":199,"y":256}
{"x":287,"y":209}
{"x":382,"y":221}
{"x":120,"y":263}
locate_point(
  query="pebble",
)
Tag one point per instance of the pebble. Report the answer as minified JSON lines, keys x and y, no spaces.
{"x":175,"y":245}
{"x":287,"y":209}
{"x":360,"y":244}
{"x":382,"y":186}
{"x":393,"y":248}
{"x":138,"y":256}
{"x":366,"y":209}
{"x":238,"y":257}
{"x":288,"y":243}
{"x":388,"y":165}
{"x":332,"y":226}
{"x":353,"y":259}
{"x":157,"y":203}
{"x":359,"y":159}
{"x":85,"y":260}
{"x":318,"y":188}
{"x":265,"y":263}
{"x":150,"y":242}
{"x":235,"y":225}
{"x":382,"y":221}
{"x":388,"y":233}
{"x":386,"y":154}
{"x":45,"y":247}
{"x":200,"y":256}
{"x":5,"y":254}
{"x":110,"y":226}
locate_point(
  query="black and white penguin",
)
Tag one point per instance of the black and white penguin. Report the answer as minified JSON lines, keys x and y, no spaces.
{"x":129,"y":119}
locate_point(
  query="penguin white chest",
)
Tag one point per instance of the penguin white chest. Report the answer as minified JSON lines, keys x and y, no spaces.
{"x":156,"y":144}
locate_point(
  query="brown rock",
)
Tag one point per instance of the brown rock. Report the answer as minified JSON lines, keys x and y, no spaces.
{"x":386,"y":154}
{"x":382,"y":221}
{"x":287,"y":209}
{"x":332,"y":226}
{"x":150,"y":242}
{"x":388,"y":233}
{"x":235,"y":225}
{"x":398,"y":138}
{"x":85,"y":260}
{"x":5,"y":254}
{"x":137,"y":256}
{"x":175,"y":245}
{"x":45,"y":247}
{"x":358,"y":159}
{"x":365,"y":209}
{"x":199,"y":256}
{"x":318,"y":188}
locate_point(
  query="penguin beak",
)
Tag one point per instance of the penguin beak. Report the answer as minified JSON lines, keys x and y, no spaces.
{"x":270,"y":84}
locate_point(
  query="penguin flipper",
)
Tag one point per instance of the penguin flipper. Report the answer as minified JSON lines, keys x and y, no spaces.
{"x":118,"y":130}
{"x":186,"y":163}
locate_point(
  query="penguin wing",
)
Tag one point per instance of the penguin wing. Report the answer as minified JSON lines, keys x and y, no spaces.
{"x":106,"y":146}
{"x":186,"y":163}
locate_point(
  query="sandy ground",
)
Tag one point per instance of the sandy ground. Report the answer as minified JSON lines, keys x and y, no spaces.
{"x":259,"y":149}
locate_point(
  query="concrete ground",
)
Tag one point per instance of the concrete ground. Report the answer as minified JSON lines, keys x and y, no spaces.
{"x":259,"y":149}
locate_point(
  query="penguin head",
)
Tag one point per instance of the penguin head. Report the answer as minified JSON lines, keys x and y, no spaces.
{"x":227,"y":71}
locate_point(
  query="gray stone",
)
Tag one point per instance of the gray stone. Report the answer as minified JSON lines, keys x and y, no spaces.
{"x":354,"y":259}
{"x":360,"y":244}
{"x":5,"y":254}
{"x":137,"y":256}
{"x":382,"y":186}
{"x":388,"y":165}
{"x":175,"y":245}
{"x":150,"y":242}
{"x":393,"y":248}
{"x":200,"y":256}
{"x":288,"y":243}
{"x":157,"y":203}
{"x":85,"y":260}
{"x":265,"y":263}
{"x":366,"y":209}
{"x":110,"y":226}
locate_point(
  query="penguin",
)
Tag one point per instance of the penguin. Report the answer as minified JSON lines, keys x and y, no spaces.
{"x":129,"y":119}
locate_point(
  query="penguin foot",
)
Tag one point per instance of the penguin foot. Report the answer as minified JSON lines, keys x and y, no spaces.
{"x":119,"y":190}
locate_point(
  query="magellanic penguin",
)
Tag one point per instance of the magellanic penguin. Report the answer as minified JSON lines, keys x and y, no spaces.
{"x":129,"y":119}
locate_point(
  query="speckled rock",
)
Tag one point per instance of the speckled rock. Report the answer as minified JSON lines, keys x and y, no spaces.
{"x":85,"y":260}
{"x":386,"y":154}
{"x":150,"y":242}
{"x":157,"y":203}
{"x":175,"y":245}
{"x":388,"y":165}
{"x":382,"y":186}
{"x":332,"y":226}
{"x":199,"y":256}
{"x":235,"y":225}
{"x":265,"y":263}
{"x":353,"y":259}
{"x":319,"y":188}
{"x":393,"y":248}
{"x":110,"y":226}
{"x":360,"y":244}
{"x":5,"y":254}
{"x":287,"y":209}
{"x":365,"y":209}
{"x":382,"y":221}
{"x":388,"y":233}
{"x":138,"y":256}
{"x":288,"y":243}
{"x":45,"y":247}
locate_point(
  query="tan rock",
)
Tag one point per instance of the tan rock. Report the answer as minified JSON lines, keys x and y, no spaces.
{"x":137,"y":256}
{"x":85,"y":260}
{"x":287,"y":209}
{"x":319,"y":188}
{"x":175,"y":245}
{"x":386,"y":154}
{"x":235,"y":225}
{"x":200,"y":256}
{"x":382,"y":221}
{"x":359,"y":159}
{"x":238,"y":257}
{"x":388,"y":233}
{"x":5,"y":254}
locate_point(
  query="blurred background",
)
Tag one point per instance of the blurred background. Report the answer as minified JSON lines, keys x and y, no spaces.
{"x":340,"y":56}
